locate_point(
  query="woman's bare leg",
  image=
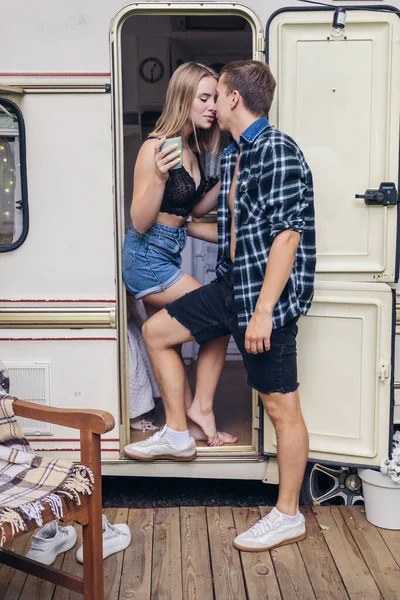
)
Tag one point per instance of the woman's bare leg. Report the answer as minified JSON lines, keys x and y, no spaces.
{"x":194,"y":429}
{"x":210,"y":363}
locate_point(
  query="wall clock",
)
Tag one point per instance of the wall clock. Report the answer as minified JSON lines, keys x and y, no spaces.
{"x":151,"y":69}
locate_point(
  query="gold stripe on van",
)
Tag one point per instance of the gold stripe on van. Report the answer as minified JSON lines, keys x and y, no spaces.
{"x":58,"y":318}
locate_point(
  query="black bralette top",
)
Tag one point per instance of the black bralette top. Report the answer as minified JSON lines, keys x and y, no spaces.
{"x":180,"y":194}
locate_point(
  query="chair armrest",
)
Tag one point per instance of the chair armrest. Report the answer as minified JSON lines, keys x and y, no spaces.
{"x":96,"y":421}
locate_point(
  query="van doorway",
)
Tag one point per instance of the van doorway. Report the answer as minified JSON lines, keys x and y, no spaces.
{"x":153,"y":46}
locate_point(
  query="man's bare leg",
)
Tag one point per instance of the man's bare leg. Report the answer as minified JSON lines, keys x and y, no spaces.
{"x":285,"y":413}
{"x":211,"y":360}
{"x":162,"y":334}
{"x":284,"y":524}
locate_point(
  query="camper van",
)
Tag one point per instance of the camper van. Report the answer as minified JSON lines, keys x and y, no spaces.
{"x":82,"y":84}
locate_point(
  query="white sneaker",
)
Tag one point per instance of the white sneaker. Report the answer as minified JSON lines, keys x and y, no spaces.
{"x":270,"y":532}
{"x":158,"y":446}
{"x":51,"y":541}
{"x":115,"y":538}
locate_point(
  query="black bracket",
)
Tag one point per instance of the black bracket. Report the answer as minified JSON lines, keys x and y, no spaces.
{"x":385,"y":196}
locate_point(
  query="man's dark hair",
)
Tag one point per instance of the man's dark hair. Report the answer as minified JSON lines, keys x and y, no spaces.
{"x":254,"y":82}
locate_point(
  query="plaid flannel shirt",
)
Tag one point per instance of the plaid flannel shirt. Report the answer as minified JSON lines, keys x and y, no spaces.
{"x":274,"y":192}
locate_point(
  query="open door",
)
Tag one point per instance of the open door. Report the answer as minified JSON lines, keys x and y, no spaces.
{"x":345,"y":373}
{"x":339,"y":99}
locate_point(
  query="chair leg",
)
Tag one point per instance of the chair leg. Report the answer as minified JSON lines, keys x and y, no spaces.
{"x":93,"y":578}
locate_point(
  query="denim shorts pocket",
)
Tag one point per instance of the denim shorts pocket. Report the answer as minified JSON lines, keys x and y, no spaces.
{"x":164,"y":243}
{"x":129,"y":251}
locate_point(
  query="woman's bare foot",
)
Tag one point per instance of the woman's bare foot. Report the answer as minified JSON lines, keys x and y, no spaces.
{"x":221,"y":438}
{"x":224,"y":438}
{"x":202,"y":427}
{"x":205,"y":420}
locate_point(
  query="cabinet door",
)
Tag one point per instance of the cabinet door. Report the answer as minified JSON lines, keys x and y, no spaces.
{"x":345,"y":373}
{"x":340,"y":101}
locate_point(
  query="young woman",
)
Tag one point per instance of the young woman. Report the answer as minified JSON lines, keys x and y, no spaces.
{"x":163,"y":199}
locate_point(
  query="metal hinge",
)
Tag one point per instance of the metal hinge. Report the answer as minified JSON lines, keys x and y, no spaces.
{"x":383,"y":371}
{"x":257,"y":417}
{"x":261,"y":44}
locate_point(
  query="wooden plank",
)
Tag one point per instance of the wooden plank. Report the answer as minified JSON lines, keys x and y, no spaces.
{"x":38,"y":589}
{"x":225,"y":560}
{"x":136,"y":569}
{"x":196,"y":567}
{"x":167,"y":567}
{"x":12,"y":581}
{"x":322,"y":572}
{"x":290,"y":570}
{"x":113,"y":564}
{"x":375,"y":552}
{"x":348,"y":558}
{"x":259,"y":573}
{"x":392,"y":541}
{"x":71,"y":565}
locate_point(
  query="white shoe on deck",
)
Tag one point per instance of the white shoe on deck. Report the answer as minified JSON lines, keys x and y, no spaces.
{"x":159,"y":446}
{"x":115,"y":538}
{"x":50,"y":541}
{"x":270,"y":532}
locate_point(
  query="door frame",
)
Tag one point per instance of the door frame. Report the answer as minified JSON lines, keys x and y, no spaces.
{"x":156,"y":9}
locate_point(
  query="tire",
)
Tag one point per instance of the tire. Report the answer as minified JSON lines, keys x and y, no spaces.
{"x":330,"y":485}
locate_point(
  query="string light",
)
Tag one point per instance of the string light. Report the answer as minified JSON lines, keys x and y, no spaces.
{"x":5,"y":160}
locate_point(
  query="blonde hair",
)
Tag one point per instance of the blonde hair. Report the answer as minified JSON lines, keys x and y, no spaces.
{"x":177,"y":109}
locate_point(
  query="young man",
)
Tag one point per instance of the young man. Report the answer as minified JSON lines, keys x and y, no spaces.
{"x":265,"y":277}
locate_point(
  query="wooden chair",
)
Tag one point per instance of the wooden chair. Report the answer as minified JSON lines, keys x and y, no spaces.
{"x":91,"y":423}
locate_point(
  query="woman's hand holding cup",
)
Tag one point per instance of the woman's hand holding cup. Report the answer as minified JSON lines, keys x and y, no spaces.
{"x":167,"y":155}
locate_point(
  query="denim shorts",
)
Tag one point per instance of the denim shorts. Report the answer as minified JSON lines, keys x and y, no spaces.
{"x":151,"y":261}
{"x":209,"y":313}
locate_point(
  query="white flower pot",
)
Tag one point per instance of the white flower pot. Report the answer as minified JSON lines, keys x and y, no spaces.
{"x":382,"y":499}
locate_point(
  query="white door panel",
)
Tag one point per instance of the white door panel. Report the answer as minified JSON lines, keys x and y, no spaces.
{"x":344,"y":362}
{"x":81,"y":374}
{"x":396,"y":417}
{"x":69,"y":252}
{"x":340,"y":101}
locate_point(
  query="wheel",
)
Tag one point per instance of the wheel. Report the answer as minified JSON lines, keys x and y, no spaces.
{"x":330,"y":485}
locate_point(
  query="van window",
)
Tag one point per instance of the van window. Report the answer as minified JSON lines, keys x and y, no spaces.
{"x":13,"y":188}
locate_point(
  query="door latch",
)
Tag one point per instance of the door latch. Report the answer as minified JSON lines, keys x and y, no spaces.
{"x":383,"y":371}
{"x":385,"y":196}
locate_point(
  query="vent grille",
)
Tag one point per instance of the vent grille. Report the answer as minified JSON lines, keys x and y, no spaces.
{"x":31,"y":382}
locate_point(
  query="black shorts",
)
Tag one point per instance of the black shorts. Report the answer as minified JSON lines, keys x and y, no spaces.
{"x":209,"y":313}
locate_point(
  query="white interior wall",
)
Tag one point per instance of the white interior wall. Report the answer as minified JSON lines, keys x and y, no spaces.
{"x":159,"y":36}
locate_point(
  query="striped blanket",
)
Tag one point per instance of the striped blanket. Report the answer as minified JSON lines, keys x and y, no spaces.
{"x":28,"y":481}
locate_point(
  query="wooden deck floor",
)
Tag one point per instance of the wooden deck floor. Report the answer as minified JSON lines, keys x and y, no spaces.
{"x":187,"y":554}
